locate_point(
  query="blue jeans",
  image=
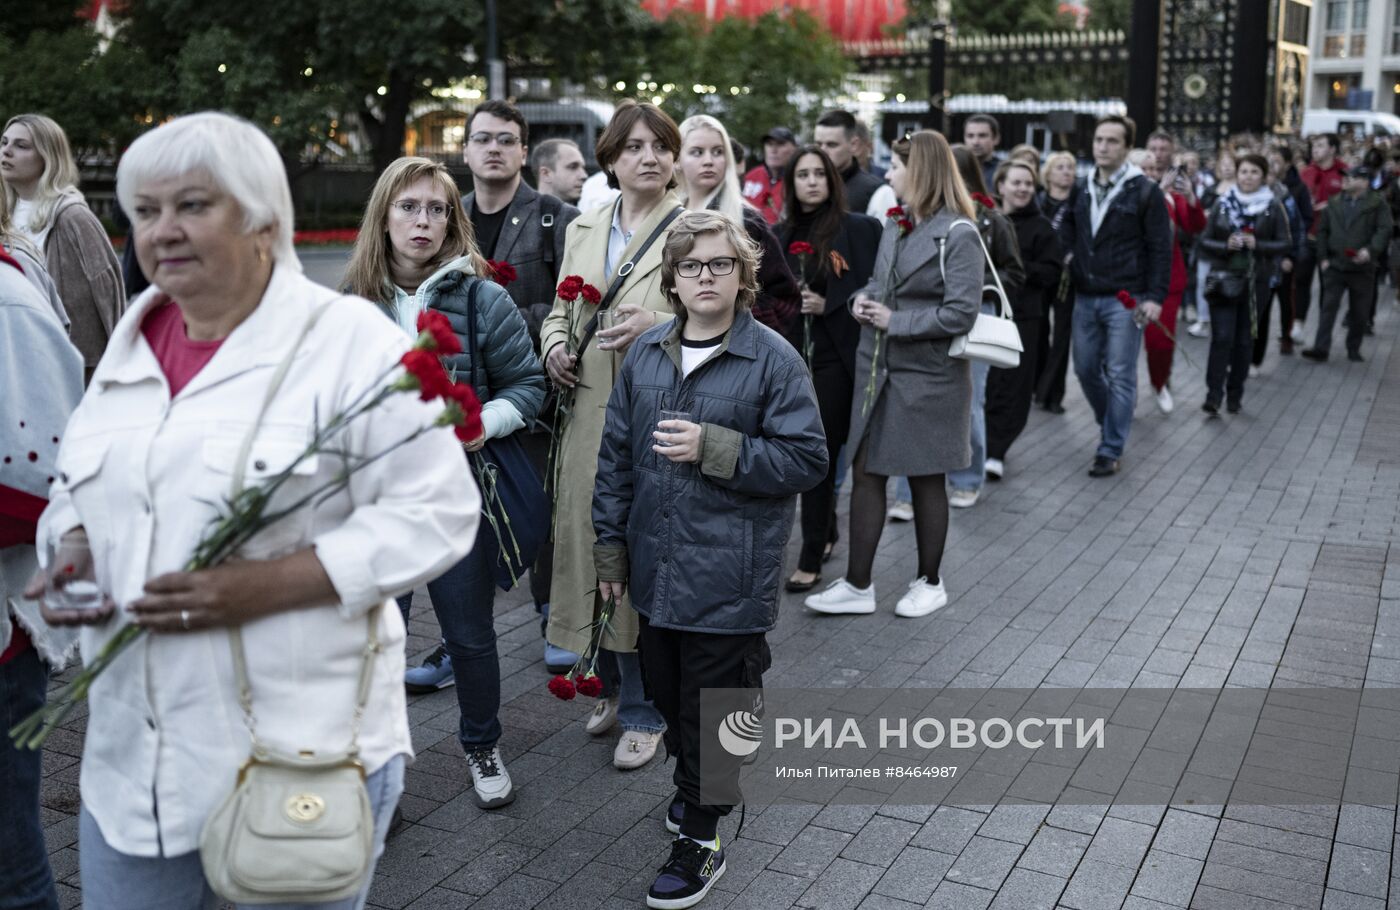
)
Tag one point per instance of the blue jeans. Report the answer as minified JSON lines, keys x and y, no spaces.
{"x":115,"y":881}
{"x":464,"y":599}
{"x":621,"y":673}
{"x":972,"y":476}
{"x":1106,"y":343}
{"x":25,"y":880}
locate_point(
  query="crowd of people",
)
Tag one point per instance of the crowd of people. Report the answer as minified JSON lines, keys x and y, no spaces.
{"x":669,"y":357}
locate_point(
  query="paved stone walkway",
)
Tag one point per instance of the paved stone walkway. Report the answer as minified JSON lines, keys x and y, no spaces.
{"x":1252,"y":550}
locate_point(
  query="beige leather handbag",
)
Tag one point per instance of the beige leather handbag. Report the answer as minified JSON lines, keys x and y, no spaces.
{"x":297,"y":828}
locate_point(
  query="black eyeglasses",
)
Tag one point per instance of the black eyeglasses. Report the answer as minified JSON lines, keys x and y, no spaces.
{"x":719,"y":267}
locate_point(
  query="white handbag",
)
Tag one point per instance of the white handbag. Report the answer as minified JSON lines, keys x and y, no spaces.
{"x":993,"y":338}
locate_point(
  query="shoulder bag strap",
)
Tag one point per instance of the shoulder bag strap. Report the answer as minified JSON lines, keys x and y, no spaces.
{"x":549,"y":214}
{"x":1005,"y":312}
{"x":621,"y":278}
{"x":235,"y":634}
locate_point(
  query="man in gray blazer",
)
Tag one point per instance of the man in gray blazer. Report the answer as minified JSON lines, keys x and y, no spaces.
{"x":526,"y":230}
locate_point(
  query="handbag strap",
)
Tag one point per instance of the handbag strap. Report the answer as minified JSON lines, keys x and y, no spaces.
{"x":621,"y":277}
{"x":235,"y":633}
{"x":1005,"y":311}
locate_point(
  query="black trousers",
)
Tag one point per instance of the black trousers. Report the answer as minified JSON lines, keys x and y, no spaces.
{"x":1050,"y":386}
{"x":1303,"y":274}
{"x":1230,"y":349}
{"x":835,"y":388}
{"x":1360,"y":287}
{"x":675,"y":667}
{"x":536,"y":445}
{"x":1284,"y":292}
{"x":1009,"y":393}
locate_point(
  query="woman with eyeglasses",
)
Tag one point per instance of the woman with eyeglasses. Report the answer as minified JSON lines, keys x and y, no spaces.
{"x":416,"y":251}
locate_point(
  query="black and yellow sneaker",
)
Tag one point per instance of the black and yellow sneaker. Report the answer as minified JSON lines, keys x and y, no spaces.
{"x":687,"y":876}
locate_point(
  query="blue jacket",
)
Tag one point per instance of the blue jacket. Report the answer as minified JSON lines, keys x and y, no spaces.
{"x":705,"y":541}
{"x":1132,"y":249}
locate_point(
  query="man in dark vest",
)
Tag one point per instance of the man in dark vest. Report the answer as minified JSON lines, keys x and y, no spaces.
{"x":837,"y":135}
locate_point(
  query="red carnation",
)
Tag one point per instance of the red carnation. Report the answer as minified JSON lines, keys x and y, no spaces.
{"x":570,"y":288}
{"x":464,"y":397}
{"x":896,"y":213}
{"x":800,"y":248}
{"x":984,"y":200}
{"x":502,"y":272}
{"x":589,"y":685}
{"x":1128,"y":301}
{"x":1248,"y":229}
{"x":1349,"y":253}
{"x":445,"y":340}
{"x":905,"y":225}
{"x":427,"y":372}
{"x":561,"y":687}
{"x":591,"y":295}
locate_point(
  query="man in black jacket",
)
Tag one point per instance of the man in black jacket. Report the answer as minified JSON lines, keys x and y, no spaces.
{"x":523,"y":229}
{"x":838,"y":135}
{"x":1120,"y":240}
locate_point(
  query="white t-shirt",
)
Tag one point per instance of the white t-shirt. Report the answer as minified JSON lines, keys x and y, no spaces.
{"x":24,"y":210}
{"x":694,"y":353}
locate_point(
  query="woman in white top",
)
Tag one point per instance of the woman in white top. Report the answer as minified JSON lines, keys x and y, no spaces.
{"x":41,"y":186}
{"x":142,"y":470}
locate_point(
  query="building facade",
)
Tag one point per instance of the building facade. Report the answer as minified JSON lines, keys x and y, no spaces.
{"x":1355,"y":62}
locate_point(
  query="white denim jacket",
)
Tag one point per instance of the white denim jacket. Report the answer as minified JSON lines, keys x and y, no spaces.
{"x":144,"y":474}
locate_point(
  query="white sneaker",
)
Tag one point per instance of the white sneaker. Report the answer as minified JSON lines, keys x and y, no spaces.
{"x":1190,"y":312}
{"x":963,"y":499}
{"x":635,"y":749}
{"x":922,"y":599}
{"x":490,"y":779}
{"x":842,"y":597}
{"x":1253,"y":372}
{"x":1199,"y":330}
{"x":994,"y":469}
{"x":901,"y":511}
{"x":1165,"y":404}
{"x":1297,"y":334}
{"x":602,"y":718}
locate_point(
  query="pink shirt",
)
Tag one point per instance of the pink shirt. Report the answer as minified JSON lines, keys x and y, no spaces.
{"x":180,"y":359}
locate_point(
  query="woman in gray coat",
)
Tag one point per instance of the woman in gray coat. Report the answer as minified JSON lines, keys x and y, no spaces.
{"x":912,"y":410}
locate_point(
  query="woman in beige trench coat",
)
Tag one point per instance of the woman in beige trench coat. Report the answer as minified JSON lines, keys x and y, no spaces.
{"x":638,"y":150}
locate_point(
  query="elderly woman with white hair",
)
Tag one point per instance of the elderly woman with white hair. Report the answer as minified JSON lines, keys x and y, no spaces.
{"x":709,"y":179}
{"x":187,"y":396}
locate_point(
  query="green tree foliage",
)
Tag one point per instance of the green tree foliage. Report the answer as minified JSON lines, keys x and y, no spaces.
{"x":788,"y":63}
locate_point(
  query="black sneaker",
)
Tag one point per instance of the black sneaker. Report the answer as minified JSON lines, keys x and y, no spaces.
{"x":1103,"y":466}
{"x":687,"y":876}
{"x":675,"y":814}
{"x":1211,"y":408}
{"x":1233,"y":407}
{"x":1355,"y":357}
{"x":1315,"y":354}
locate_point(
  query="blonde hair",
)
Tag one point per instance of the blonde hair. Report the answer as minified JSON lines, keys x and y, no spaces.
{"x":1050,"y":162}
{"x":235,"y":155}
{"x":1025,"y":151}
{"x":60,"y":175}
{"x":368,"y":273}
{"x":11,"y":238}
{"x":727,"y":197}
{"x":933,"y":182}
{"x":681,"y":240}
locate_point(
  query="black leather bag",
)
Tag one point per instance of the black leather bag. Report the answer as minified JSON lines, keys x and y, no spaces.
{"x":515,"y":510}
{"x":1224,"y":287}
